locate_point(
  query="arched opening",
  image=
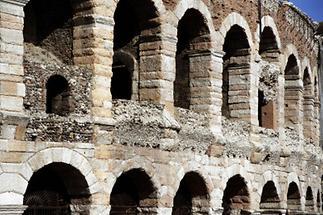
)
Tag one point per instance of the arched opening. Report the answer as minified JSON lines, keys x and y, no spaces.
{"x":293,"y":198}
{"x":49,"y":25}
{"x":123,"y":77}
{"x":136,"y":24}
{"x":309,"y":200}
{"x":236,"y":196}
{"x":133,"y":193}
{"x":192,"y":196}
{"x":57,"y":188}
{"x":236,"y":73}
{"x":58,"y":98}
{"x":270,"y":202}
{"x":193,"y":36}
{"x":268,"y":48}
{"x":268,"y":80}
{"x":293,"y":93}
{"x":308,"y":105}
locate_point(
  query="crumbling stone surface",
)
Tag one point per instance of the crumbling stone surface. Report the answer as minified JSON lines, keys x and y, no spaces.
{"x":40,"y":65}
{"x":268,"y":81}
{"x":59,"y":129}
{"x":60,"y":43}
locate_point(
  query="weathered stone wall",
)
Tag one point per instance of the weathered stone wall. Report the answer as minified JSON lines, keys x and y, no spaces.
{"x":104,"y":140}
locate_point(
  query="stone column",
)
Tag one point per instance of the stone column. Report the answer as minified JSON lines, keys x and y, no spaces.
{"x":206,"y":85}
{"x":293,"y":105}
{"x":309,"y":118}
{"x":240,"y":101}
{"x":316,"y":132}
{"x":12,"y":88}
{"x":93,"y":49}
{"x":157,"y":67}
{"x":12,"y":209}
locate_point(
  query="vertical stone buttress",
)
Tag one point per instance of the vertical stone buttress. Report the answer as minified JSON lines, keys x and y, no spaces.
{"x":206,"y":85}
{"x":12,"y":88}
{"x":157,"y":66}
{"x":308,"y":113}
{"x":93,"y":49}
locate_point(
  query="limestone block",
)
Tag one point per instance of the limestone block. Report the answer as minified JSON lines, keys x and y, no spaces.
{"x":11,"y":103}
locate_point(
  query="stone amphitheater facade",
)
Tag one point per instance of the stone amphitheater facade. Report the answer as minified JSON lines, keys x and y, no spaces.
{"x":159,"y":107}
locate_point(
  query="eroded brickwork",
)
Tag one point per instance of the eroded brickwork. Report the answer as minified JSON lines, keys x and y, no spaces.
{"x":159,"y":107}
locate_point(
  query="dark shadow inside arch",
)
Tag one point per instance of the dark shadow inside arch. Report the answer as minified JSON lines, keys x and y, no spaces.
{"x":49,"y":24}
{"x":309,"y":200}
{"x":133,"y":193}
{"x":193,"y":37}
{"x":267,"y":105}
{"x":122,"y":79}
{"x":270,"y":202}
{"x":136,"y":24}
{"x":293,"y":198}
{"x":236,"y":198}
{"x":58,"y":96}
{"x":192,"y":196}
{"x":236,"y":58}
{"x":268,"y":48}
{"x":293,"y":93}
{"x":57,"y":188}
{"x":134,"y":20}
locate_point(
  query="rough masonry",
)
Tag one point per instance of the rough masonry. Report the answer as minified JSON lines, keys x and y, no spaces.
{"x":166,"y":107}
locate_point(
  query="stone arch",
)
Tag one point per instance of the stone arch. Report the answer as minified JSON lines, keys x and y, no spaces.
{"x":183,"y":5}
{"x":270,"y":176}
{"x":134,"y":191}
{"x":306,"y":64}
{"x":193,"y":44}
{"x":236,"y":196}
{"x":138,"y":35}
{"x":125,"y":62}
{"x":293,"y":197}
{"x":57,"y":188}
{"x":231,"y":20}
{"x":318,"y":201}
{"x":58,"y":95}
{"x":290,"y":49}
{"x":236,"y":98}
{"x":195,"y":167}
{"x":135,"y":163}
{"x":270,"y":200}
{"x":309,"y":200}
{"x":53,"y":31}
{"x":293,"y":92}
{"x":66,"y":156}
{"x":268,"y":21}
{"x":192,"y":195}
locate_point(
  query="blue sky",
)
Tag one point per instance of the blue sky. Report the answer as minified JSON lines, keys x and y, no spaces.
{"x":313,"y":8}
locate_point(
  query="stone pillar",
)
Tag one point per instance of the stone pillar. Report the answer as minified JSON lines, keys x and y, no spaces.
{"x":12,"y":209}
{"x":157,"y":66}
{"x":206,"y":85}
{"x":93,"y":49}
{"x":12,"y":88}
{"x":240,"y":94}
{"x":281,"y":107}
{"x":293,"y":105}
{"x":309,"y":118}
